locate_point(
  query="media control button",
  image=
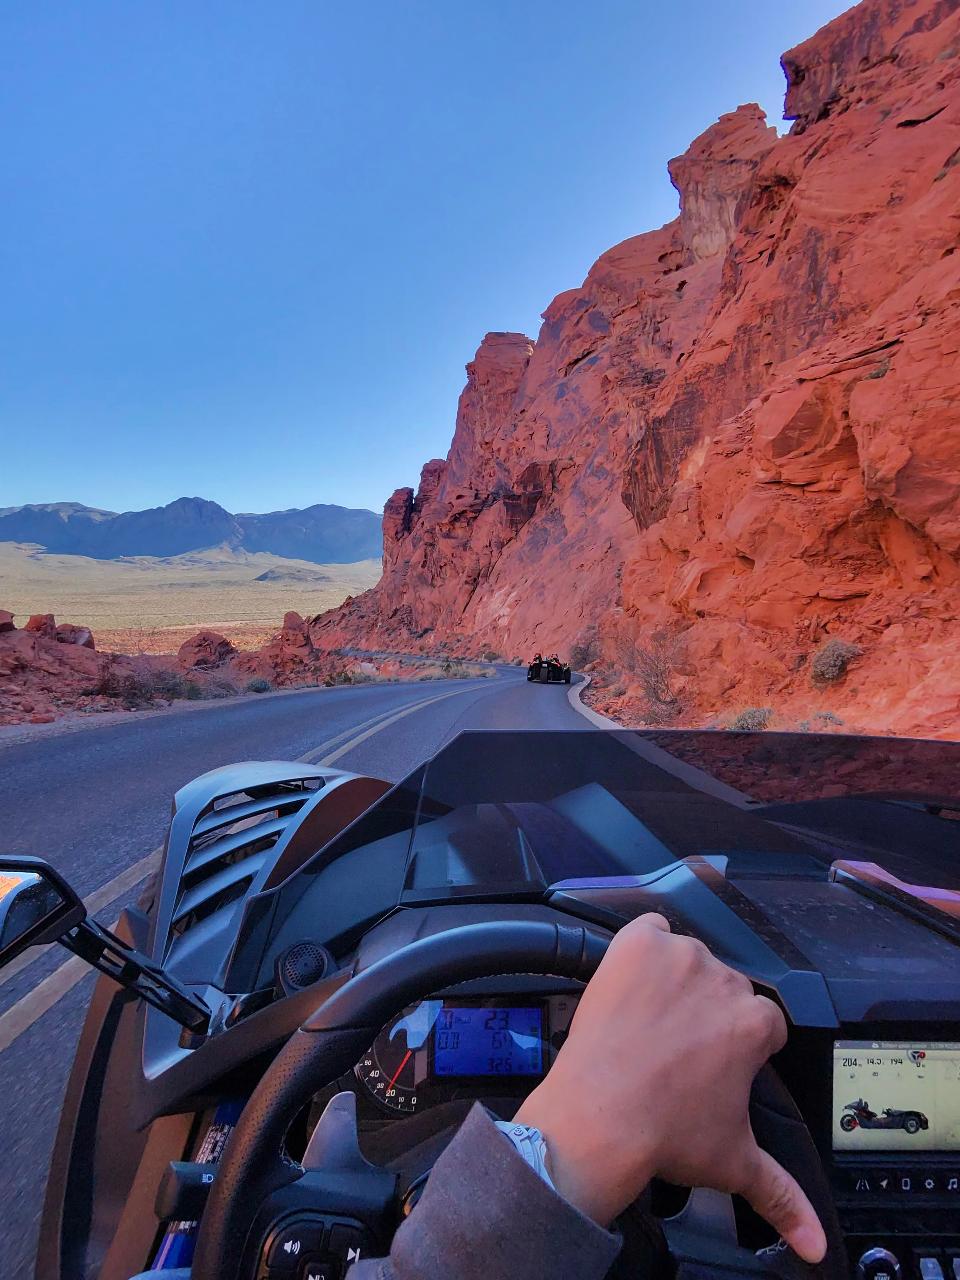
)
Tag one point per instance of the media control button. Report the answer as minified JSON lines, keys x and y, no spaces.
{"x":348,"y":1243}
{"x":320,"y":1271}
{"x":951,"y":1182}
{"x":878,"y":1264}
{"x":907,"y":1183}
{"x":303,"y":1237}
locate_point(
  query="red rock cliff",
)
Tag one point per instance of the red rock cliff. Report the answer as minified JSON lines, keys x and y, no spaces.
{"x":740,"y":437}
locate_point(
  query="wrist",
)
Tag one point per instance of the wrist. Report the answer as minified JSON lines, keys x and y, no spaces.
{"x":583,"y":1166}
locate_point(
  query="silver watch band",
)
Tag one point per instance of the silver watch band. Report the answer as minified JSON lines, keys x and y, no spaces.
{"x":530,"y":1145}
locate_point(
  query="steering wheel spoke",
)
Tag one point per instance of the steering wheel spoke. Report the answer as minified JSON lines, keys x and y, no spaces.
{"x":330,"y":1211}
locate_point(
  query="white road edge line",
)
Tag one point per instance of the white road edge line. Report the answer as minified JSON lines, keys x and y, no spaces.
{"x":574,"y":694}
{"x":32,"y":1006}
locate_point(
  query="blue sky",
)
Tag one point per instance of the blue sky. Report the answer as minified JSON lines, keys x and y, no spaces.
{"x":247,"y":248}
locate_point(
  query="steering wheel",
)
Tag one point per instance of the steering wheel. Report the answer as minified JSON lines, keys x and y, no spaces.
{"x":259,"y":1189}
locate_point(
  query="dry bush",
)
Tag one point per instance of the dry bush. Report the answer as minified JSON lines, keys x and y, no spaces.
{"x":831,"y":660}
{"x":585,"y":649}
{"x":657,"y":666}
{"x":752,"y":720}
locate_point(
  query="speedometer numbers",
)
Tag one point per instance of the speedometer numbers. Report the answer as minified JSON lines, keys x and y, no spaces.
{"x":391,"y":1076}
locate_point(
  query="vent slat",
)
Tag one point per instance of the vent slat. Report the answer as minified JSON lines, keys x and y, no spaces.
{"x":210,"y":889}
{"x":221,"y":862}
{"x":216,"y":849}
{"x":288,"y":802}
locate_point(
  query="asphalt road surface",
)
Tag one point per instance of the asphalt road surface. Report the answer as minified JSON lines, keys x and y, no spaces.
{"x":95,"y":802}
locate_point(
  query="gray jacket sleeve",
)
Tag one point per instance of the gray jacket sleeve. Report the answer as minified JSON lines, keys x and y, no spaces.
{"x":485,"y":1215}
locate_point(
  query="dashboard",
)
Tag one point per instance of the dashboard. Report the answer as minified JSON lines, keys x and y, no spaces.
{"x":884,"y":1112}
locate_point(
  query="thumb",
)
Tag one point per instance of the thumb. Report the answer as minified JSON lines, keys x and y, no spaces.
{"x":778,"y":1198}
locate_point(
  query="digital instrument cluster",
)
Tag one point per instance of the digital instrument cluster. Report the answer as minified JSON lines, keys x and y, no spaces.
{"x":442,"y":1048}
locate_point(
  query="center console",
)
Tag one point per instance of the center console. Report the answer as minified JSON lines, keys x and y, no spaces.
{"x":894,"y":1148}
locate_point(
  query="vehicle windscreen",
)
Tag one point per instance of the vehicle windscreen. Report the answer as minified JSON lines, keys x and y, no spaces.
{"x":509,"y":815}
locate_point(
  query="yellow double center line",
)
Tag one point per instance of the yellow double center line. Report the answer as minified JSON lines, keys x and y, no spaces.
{"x":22,"y":1015}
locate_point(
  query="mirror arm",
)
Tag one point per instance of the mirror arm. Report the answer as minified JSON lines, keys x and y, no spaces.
{"x":137,"y":972}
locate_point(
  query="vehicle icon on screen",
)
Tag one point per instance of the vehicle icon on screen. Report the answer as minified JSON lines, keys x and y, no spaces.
{"x":858,"y":1115}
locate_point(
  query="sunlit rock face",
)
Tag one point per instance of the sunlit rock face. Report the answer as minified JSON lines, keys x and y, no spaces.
{"x":741,"y":435}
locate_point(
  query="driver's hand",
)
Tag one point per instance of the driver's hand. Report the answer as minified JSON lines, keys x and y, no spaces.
{"x":654,"y":1079}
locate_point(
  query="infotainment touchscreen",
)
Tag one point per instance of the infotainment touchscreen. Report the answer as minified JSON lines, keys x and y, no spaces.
{"x":896,"y":1096}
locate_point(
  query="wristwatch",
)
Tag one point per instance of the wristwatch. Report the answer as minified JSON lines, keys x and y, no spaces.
{"x":530,"y":1145}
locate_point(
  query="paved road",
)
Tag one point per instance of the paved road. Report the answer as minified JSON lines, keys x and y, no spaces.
{"x":95,"y":802}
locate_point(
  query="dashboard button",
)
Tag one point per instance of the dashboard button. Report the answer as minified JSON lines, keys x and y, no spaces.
{"x":878,"y":1264}
{"x":929,"y":1267}
{"x":951,"y":1182}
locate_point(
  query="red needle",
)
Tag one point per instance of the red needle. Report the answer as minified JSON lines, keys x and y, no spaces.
{"x":406,"y":1058}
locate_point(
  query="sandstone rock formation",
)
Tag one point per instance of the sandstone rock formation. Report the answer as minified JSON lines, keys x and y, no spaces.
{"x":290,"y":658}
{"x":740,"y":436}
{"x":43,"y":671}
{"x":205,"y":651}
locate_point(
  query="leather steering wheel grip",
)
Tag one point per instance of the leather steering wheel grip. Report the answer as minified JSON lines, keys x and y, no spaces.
{"x":337,"y":1035}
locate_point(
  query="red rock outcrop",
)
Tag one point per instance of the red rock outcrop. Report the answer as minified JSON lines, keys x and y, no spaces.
{"x":68,"y":633}
{"x":740,"y":436}
{"x":205,"y":651}
{"x":40,"y":674}
{"x":290,"y":658}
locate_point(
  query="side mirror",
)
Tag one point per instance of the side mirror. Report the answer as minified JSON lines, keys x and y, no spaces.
{"x":36,"y":905}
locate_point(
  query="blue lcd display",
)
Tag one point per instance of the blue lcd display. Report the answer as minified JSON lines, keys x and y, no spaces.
{"x":488,"y":1042}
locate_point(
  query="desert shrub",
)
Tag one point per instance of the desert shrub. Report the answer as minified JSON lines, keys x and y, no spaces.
{"x":167,"y":684}
{"x":518,"y":662}
{"x":192,"y":691}
{"x":220,"y":689}
{"x":830,"y":662}
{"x":657,"y":666}
{"x":752,"y":719}
{"x":618,"y":691}
{"x":585,"y":649}
{"x":828,"y":717}
{"x":258,"y":685}
{"x":491,"y":655}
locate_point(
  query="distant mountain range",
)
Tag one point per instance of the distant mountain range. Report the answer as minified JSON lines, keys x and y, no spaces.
{"x":323,"y":534}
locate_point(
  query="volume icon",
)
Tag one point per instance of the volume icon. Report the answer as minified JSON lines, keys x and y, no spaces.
{"x":292,"y":1247}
